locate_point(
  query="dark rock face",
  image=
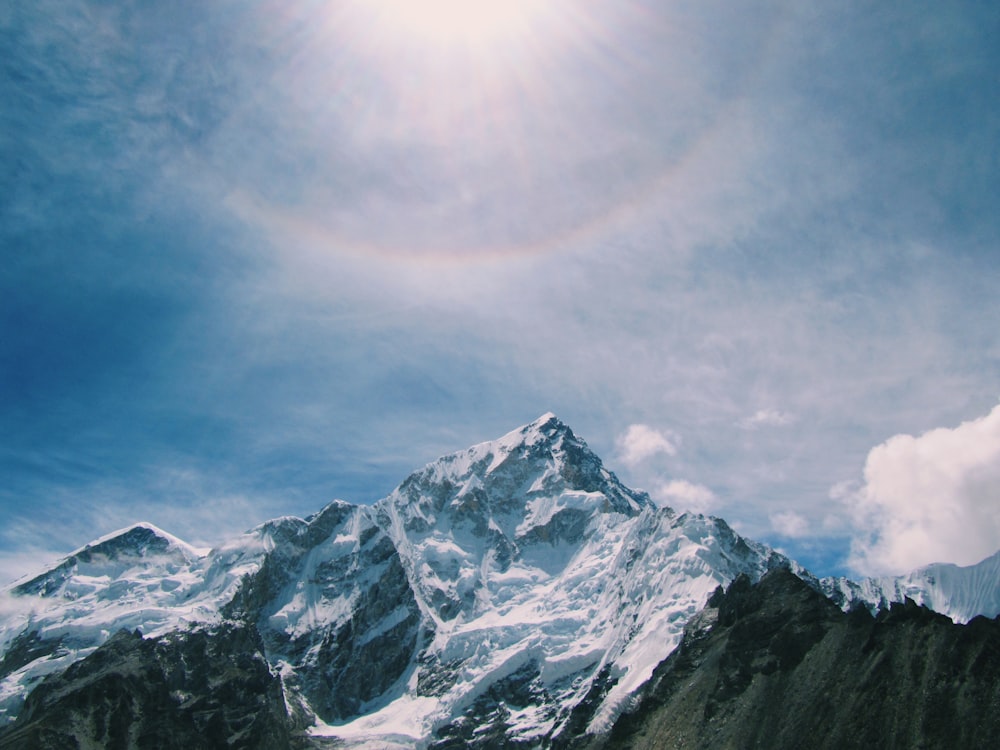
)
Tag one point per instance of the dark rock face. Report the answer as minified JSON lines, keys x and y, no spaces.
{"x":24,"y":649}
{"x":783,"y":667}
{"x":350,"y":659}
{"x":191,"y":690}
{"x":361,"y":658}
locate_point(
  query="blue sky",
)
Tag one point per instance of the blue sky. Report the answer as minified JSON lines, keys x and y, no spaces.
{"x":260,"y":255}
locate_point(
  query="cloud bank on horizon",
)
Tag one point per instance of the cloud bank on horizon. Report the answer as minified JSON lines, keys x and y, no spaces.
{"x":935,"y":496}
{"x":261,"y":255}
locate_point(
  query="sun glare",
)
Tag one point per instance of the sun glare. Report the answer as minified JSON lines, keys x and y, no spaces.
{"x":472,"y":22}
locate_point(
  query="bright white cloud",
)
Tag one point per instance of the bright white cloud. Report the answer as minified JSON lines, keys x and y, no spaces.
{"x":790,"y":524}
{"x":685,"y":495}
{"x":931,"y":498}
{"x":766,"y":418}
{"x":641,"y":441}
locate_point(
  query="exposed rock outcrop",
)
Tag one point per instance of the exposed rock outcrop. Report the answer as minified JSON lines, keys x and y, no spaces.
{"x":777,"y":665}
{"x":189,"y":690}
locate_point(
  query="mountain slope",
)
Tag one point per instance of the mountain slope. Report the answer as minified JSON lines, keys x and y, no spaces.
{"x":776,"y":665}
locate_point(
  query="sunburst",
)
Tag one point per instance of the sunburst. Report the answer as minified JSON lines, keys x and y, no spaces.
{"x":471,"y":22}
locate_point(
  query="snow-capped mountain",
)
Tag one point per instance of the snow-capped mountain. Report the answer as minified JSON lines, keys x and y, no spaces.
{"x":961,"y":593}
{"x":512,"y":592}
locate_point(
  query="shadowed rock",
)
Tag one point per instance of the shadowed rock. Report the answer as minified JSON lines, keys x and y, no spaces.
{"x":783,"y":667}
{"x":192,"y":690}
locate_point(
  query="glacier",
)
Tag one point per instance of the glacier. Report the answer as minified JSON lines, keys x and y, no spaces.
{"x":514,"y":590}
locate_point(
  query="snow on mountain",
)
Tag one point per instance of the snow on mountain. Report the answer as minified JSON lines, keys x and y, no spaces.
{"x":514,"y":591}
{"x":137,"y":577}
{"x":530,"y":560}
{"x":961,"y":593}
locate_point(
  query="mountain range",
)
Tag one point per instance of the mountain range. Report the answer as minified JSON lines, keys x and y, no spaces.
{"x":515,"y":594}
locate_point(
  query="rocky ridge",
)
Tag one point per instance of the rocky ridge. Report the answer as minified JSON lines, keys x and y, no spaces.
{"x":777,"y":665}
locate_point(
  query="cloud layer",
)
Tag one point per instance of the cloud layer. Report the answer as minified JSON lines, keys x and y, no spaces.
{"x":930,"y":498}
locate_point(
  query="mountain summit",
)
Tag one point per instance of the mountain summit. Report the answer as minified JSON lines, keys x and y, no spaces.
{"x":470,"y":523}
{"x":512,"y":593}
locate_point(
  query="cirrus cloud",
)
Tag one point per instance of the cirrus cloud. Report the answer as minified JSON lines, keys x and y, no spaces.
{"x":930,"y":498}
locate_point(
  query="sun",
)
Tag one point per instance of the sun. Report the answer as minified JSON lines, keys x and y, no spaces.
{"x":467,"y":22}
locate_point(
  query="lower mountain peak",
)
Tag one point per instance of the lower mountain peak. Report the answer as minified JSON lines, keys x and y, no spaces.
{"x":140,"y":545}
{"x":961,"y":593}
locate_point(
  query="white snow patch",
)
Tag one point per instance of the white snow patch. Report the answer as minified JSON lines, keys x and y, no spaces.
{"x":402,"y":723}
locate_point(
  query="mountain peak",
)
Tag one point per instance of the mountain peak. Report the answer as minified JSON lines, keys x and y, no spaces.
{"x":543,"y":457}
{"x":138,"y":542}
{"x":141,"y":537}
{"x":548,"y":422}
{"x":961,"y":593}
{"x":529,"y":499}
{"x":547,"y":429}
